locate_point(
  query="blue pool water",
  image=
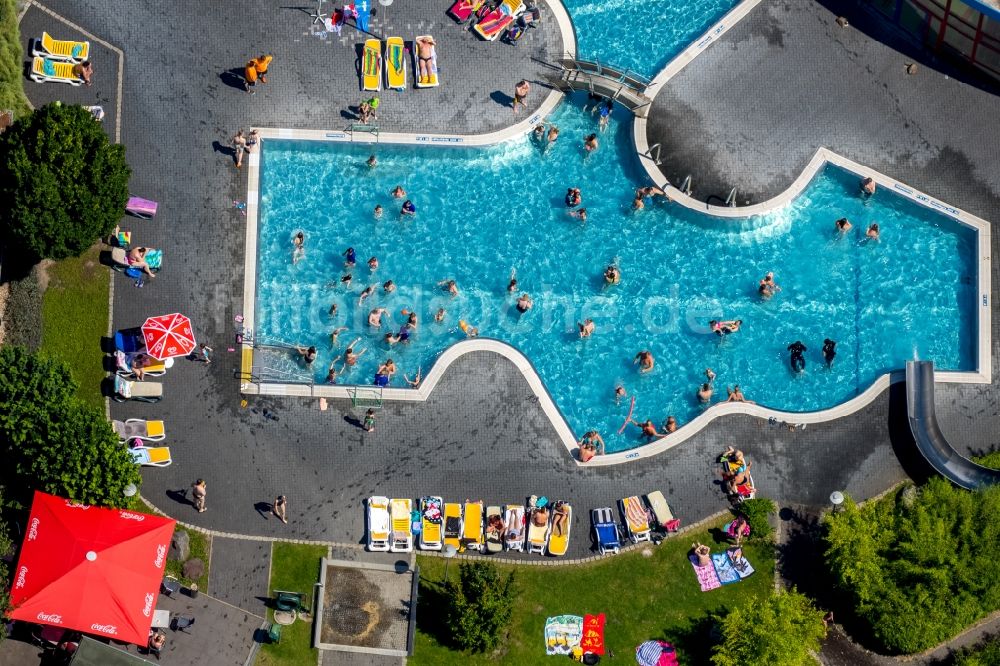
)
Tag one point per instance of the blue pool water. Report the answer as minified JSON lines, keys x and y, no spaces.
{"x":641,"y":36}
{"x":482,"y":213}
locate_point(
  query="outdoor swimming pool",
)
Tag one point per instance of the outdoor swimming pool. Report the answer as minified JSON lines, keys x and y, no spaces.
{"x":641,"y":36}
{"x":482,"y":213}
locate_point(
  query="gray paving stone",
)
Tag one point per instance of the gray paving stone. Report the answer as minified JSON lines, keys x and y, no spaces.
{"x":239,"y":573}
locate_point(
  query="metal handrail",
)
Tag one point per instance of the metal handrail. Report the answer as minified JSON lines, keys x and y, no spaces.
{"x":623,"y":76}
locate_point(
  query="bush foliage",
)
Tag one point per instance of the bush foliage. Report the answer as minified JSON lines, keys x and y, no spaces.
{"x":918,"y":567}
{"x":779,"y":629}
{"x":987,"y":654}
{"x":11,"y":61}
{"x":757,"y":511}
{"x":51,"y":441}
{"x":65,"y":185}
{"x":482,"y":603}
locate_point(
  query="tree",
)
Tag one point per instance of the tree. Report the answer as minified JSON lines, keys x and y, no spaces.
{"x":63,"y":183}
{"x":780,"y":629}
{"x":6,"y":548}
{"x":482,"y":603}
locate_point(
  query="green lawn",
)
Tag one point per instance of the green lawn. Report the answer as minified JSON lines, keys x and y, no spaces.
{"x":644,"y":597}
{"x":11,"y":62}
{"x":294,"y":568}
{"x":201,"y":548}
{"x":75,"y":317}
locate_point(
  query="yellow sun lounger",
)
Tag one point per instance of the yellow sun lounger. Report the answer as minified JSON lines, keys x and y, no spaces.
{"x":472,"y":528}
{"x":402,"y":528}
{"x":431,"y":508}
{"x":395,"y":64}
{"x":151,"y":456}
{"x":371,"y":65}
{"x":57,"y":49}
{"x":47,"y":69}
{"x":558,"y":543}
{"x":453,"y":525}
{"x":152,"y":431}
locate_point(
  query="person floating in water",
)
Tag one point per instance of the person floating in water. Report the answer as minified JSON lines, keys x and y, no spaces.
{"x":470,"y":331}
{"x":408,"y":208}
{"x":873,"y":232}
{"x":645,"y":360}
{"x":843,"y":226}
{"x":333,"y":335}
{"x":590,"y":143}
{"x":368,"y":291}
{"x":580,"y":214}
{"x":378,"y":212}
{"x":375,"y":317}
{"x":648,"y":428}
{"x":573,"y":197}
{"x":398,"y":192}
{"x":867,"y":187}
{"x":768,"y":287}
{"x":439,"y":315}
{"x":829,"y":351}
{"x":299,"y":242}
{"x":798,"y":361}
{"x":638,"y":203}
{"x":670,"y":425}
{"x":373,"y":264}
{"x":612,"y":275}
{"x":512,"y":285}
{"x":350,"y":357}
{"x":620,"y":393}
{"x":605,"y":111}
{"x":524,"y":303}
{"x":722,"y":328}
{"x":450,"y":286}
{"x":705,"y":394}
{"x":307,"y":355}
{"x":372,"y":162}
{"x":350,"y":258}
{"x":586,"y":328}
{"x":389,"y":286}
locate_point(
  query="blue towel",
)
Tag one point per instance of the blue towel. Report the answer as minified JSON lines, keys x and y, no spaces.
{"x":49,"y":67}
{"x":77,"y":50}
{"x":154,"y":259}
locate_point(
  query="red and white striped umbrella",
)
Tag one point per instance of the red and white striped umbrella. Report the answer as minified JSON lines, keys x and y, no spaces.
{"x":168,"y":335}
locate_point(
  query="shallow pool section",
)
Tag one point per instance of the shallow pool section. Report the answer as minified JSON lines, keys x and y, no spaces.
{"x":482,"y":214}
{"x":641,"y":36}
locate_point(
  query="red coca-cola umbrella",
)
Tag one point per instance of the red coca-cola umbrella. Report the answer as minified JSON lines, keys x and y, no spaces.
{"x":90,"y":569}
{"x":168,"y":335}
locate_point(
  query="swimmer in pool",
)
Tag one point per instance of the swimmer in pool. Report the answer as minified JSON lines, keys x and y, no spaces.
{"x":334,"y":334}
{"x":470,"y":331}
{"x":378,"y":212}
{"x":619,"y":394}
{"x":388,"y":368}
{"x":350,"y":258}
{"x":398,"y":192}
{"x":331,"y":373}
{"x":580,"y":214}
{"x":649,"y":191}
{"x":736,"y":395}
{"x":645,"y":360}
{"x":670,"y":425}
{"x":721,"y":328}
{"x":411,"y":318}
{"x":417,"y":378}
{"x":524,"y":303}
{"x":797,"y":361}
{"x":373,"y":264}
{"x":307,"y":355}
{"x":375,"y":317}
{"x":372,"y":162}
{"x":350,"y":356}
{"x":539,"y":132}
{"x":638,"y":203}
{"x":705,"y":394}
{"x":553,"y":134}
{"x":709,"y":375}
{"x":573,"y":197}
{"x":590,"y":143}
{"x":648,"y":428}
{"x":586,"y":328}
{"x":512,"y":285}
{"x":768,"y":287}
{"x":333,"y":310}
{"x":299,"y":243}
{"x":867,"y":187}
{"x":439,"y":315}
{"x":612,"y":275}
{"x":450,"y":286}
{"x":346,"y":280}
{"x":843,"y":226}
{"x":368,"y":291}
{"x":829,"y":351}
{"x":408,"y":208}
{"x":873,"y":232}
{"x":389,"y":286}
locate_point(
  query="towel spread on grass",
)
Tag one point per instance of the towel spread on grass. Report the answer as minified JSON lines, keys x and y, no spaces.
{"x":563,"y":633}
{"x":707,"y":578}
{"x":740,"y":564}
{"x":724,"y":569}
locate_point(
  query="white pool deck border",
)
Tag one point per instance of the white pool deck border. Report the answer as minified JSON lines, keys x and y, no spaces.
{"x":823,"y":156}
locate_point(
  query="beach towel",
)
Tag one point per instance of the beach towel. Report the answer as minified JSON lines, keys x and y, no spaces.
{"x":724,"y":569}
{"x":707,"y":578}
{"x":740,"y":564}
{"x":49,"y":68}
{"x":563,"y":633}
{"x":593,"y":633}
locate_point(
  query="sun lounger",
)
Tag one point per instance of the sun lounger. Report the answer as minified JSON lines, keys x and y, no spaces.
{"x":140,"y":391}
{"x":129,"y":429}
{"x":125,"y":365}
{"x":430,"y":522}
{"x":371,"y":65}
{"x":431,"y":81}
{"x":140,"y":207}
{"x":453,"y":525}
{"x":378,"y":523}
{"x":47,"y":69}
{"x":606,"y":532}
{"x":130,"y":340}
{"x":151,"y":456}
{"x":472,"y":526}
{"x":57,"y":49}
{"x":513,"y":522}
{"x":494,"y":536}
{"x":395,"y":64}
{"x":402,"y":528}
{"x":558,"y":543}
{"x":538,"y":535}
{"x":745,"y":491}
{"x":495,"y":22}
{"x":463,"y":9}
{"x":636,"y":519}
{"x":661,"y":512}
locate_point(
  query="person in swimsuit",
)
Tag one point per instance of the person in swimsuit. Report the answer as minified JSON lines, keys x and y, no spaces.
{"x":590,"y":143}
{"x":346,"y":280}
{"x":843,"y":226}
{"x":333,"y":310}
{"x":425,"y":58}
{"x":736,"y":395}
{"x":580,"y":214}
{"x":411,"y":319}
{"x":373,"y":264}
{"x":136,"y":258}
{"x":368,"y":291}
{"x":873,"y":232}
{"x":524,"y":303}
{"x":331,"y":374}
{"x":606,"y":109}
{"x":299,"y":242}
{"x":333,"y":335}
{"x":470,"y":331}
{"x":645,"y":360}
{"x":372,"y":162}
{"x":512,"y":285}
{"x":378,"y":211}
{"x":350,"y":357}
{"x":521,"y":91}
{"x":867,"y":187}
{"x":417,"y":378}
{"x":553,"y":134}
{"x":705,"y":394}
{"x":722,"y":328}
{"x":797,"y":361}
{"x":586,"y":328}
{"x":240,"y":146}
{"x":408,"y":208}
{"x":560,"y":513}
{"x":539,"y":133}
{"x":350,"y":258}
{"x":829,"y":351}
{"x":638,"y":203}
{"x":619,"y":394}
{"x":389,"y":286}
{"x":308,"y":355}
{"x":670,"y":425}
{"x":573,"y":197}
{"x":648,"y":428}
{"x":85,"y":70}
{"x":709,"y":375}
{"x":450,"y":286}
{"x":592,"y":440}
{"x":612,"y":275}
{"x":439,"y":315}
{"x":375,"y":317}
{"x":398,"y":192}
{"x":768,"y":287}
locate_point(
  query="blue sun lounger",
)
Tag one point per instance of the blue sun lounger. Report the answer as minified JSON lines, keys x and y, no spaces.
{"x":606,"y":532}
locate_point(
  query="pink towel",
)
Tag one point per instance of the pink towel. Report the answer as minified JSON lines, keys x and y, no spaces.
{"x":707,"y":578}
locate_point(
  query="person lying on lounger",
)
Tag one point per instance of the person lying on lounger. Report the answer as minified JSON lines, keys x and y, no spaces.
{"x":559,"y":518}
{"x":425,"y":57}
{"x":540,"y":517}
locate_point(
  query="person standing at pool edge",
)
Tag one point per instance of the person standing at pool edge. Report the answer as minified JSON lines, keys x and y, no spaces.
{"x":521,"y":91}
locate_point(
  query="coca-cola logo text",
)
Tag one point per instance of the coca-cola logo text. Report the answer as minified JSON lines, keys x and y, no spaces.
{"x":148,"y":608}
{"x":51,"y":618}
{"x":21,"y":575}
{"x":109,"y":629}
{"x":132,"y":516}
{"x":161,"y":552}
{"x":33,"y":529}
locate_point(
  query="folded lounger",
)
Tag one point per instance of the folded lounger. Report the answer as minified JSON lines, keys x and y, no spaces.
{"x":453,"y":525}
{"x":431,"y":81}
{"x":606,"y":532}
{"x":538,"y":535}
{"x":514,"y":527}
{"x":141,"y":391}
{"x":129,"y":429}
{"x":636,"y":519}
{"x":430,"y":522}
{"x":494,"y":537}
{"x":558,"y":543}
{"x":402,"y":528}
{"x":58,"y":49}
{"x":661,"y":511}
{"x":151,"y":456}
{"x":371,"y":65}
{"x":395,"y":64}
{"x":125,"y":363}
{"x":47,"y":69}
{"x":472,"y":526}
{"x":463,"y":9}
{"x":378,"y":523}
{"x":140,"y":207}
{"x":495,"y":22}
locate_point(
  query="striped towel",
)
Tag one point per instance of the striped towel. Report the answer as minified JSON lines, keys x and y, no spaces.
{"x":707,"y":578}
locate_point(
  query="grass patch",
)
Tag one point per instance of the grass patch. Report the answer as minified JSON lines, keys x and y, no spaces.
{"x":644,"y":597}
{"x":201,"y":548}
{"x":11,"y":62}
{"x":991,"y":460}
{"x":75,"y":317}
{"x":294,"y":568}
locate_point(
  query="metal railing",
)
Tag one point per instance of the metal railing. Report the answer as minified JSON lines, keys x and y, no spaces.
{"x":362,"y":129}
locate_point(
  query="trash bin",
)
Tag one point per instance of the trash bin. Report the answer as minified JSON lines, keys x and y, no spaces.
{"x":193,"y":591}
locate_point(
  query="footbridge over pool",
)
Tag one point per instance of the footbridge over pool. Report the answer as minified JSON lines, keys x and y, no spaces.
{"x":621,"y":85}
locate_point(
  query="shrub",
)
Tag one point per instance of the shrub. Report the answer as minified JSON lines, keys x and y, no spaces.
{"x":64,"y":183}
{"x":482,"y":602}
{"x":987,"y":654}
{"x":757,"y":511}
{"x":991,"y":460}
{"x":11,"y":61}
{"x":780,"y":629}
{"x":22,"y":316}
{"x":6,"y":548}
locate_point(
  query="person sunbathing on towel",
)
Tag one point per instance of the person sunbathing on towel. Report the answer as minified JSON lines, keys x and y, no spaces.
{"x":425,"y":57}
{"x":559,"y":518}
{"x":137,"y":259}
{"x":540,"y":517}
{"x":703,"y":553}
{"x":494,"y":525}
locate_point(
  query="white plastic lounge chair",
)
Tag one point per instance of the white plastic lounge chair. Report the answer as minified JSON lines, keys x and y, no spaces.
{"x":514,"y":527}
{"x":129,"y":429}
{"x":47,"y":69}
{"x":453,"y":525}
{"x":402,"y":528}
{"x":661,"y":512}
{"x":494,"y":537}
{"x":57,"y":49}
{"x":606,"y":532}
{"x":745,"y":491}
{"x":140,"y":391}
{"x":151,"y":456}
{"x":431,"y":514}
{"x":636,"y":519}
{"x":538,"y":535}
{"x":472,"y":526}
{"x":559,"y":543}
{"x":378,"y":523}
{"x":125,"y":364}
{"x":431,"y":81}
